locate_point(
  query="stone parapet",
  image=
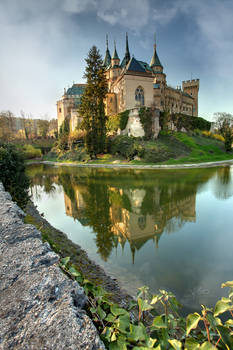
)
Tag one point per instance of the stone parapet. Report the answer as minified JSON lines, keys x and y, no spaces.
{"x":41,"y":308}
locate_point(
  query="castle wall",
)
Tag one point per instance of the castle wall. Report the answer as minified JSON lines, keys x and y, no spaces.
{"x":131,"y":83}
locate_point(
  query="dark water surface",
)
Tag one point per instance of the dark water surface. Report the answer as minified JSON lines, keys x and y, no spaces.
{"x":168,"y":229}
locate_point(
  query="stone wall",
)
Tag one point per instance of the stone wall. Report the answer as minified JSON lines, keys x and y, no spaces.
{"x":41,"y":308}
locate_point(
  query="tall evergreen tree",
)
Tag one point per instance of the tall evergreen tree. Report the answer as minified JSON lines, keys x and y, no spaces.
{"x":92,"y":104}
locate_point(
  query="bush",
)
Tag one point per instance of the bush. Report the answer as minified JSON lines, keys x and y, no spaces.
{"x":126,"y":146}
{"x":30,"y":152}
{"x":189,"y":123}
{"x":213,"y":136}
{"x":12,"y":174}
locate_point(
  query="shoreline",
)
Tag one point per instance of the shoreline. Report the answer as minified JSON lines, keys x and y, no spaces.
{"x":134,"y":166}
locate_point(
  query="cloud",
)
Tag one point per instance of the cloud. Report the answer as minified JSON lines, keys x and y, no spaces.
{"x":127,"y":13}
{"x":79,"y":6}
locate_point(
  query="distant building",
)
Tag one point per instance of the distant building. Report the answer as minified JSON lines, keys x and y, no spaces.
{"x":133,"y":84}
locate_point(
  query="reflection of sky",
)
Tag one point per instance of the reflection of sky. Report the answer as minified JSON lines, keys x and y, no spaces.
{"x":192,"y":262}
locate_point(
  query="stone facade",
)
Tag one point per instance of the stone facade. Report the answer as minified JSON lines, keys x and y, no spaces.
{"x":133,"y":84}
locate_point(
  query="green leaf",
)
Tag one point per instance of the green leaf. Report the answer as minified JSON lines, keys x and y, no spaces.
{"x":144,"y":305}
{"x":220,"y":307}
{"x":101,"y":312}
{"x":155,"y":299}
{"x":176,"y":344}
{"x":191,"y":344}
{"x":192,"y":322}
{"x":74,"y":272}
{"x":227,"y":284}
{"x":123,"y":323}
{"x":110,"y":318}
{"x":116,"y":310}
{"x":137,"y":332}
{"x":158,"y":322}
{"x":207,"y":346}
{"x":229,"y":323}
{"x":93,"y":310}
{"x":113,"y":337}
{"x":226,"y":336}
{"x":64,"y":261}
{"x":118,"y":345}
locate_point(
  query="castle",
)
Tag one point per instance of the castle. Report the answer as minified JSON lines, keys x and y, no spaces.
{"x":133,"y":84}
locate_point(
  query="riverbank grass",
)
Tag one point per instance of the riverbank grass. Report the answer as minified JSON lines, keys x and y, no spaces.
{"x":169,"y":148}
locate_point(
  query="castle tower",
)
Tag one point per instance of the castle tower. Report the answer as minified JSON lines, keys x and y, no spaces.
{"x":155,"y":63}
{"x":126,"y":59}
{"x":107,"y":59}
{"x":115,"y":68}
{"x":115,"y":59}
{"x":191,"y":87}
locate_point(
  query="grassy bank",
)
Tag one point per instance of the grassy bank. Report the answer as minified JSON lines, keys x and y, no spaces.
{"x":169,"y":148}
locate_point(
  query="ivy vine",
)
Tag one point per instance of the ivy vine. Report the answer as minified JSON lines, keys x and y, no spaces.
{"x":146,"y":118}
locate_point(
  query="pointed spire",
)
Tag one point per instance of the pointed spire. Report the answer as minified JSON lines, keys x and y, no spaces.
{"x":155,"y":59}
{"x":126,"y":59}
{"x":115,"y":55}
{"x":107,"y":59}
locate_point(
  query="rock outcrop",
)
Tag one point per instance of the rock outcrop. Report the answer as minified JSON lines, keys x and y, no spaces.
{"x":40,"y":307}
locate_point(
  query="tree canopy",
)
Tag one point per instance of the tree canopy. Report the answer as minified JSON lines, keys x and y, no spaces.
{"x":224,"y":124}
{"x":92,"y":104}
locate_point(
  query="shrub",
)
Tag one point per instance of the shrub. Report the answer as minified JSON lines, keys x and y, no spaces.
{"x":189,"y":123}
{"x":12,"y":173}
{"x":30,"y":152}
{"x":126,"y":146}
{"x":213,"y":136}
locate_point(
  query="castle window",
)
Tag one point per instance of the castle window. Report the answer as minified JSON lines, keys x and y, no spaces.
{"x":139,"y":95}
{"x":59,"y":110}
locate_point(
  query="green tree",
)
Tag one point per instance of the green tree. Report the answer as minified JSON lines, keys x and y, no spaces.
{"x":224,"y":124}
{"x":92,"y":104}
{"x":12,"y":173}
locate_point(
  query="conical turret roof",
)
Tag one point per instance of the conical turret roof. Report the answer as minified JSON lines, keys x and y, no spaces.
{"x":155,"y":59}
{"x":115,"y":55}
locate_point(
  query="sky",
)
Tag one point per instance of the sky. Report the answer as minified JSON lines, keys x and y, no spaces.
{"x":44,"y":44}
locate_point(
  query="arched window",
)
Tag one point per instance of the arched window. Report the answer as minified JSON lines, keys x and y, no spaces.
{"x":139,"y":95}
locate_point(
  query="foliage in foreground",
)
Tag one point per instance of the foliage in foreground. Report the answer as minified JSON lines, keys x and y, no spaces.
{"x":141,"y":327}
{"x":12,"y":173}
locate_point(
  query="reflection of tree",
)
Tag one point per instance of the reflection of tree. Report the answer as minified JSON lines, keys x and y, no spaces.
{"x":97,"y":211}
{"x":128,"y":206}
{"x":223,"y":186}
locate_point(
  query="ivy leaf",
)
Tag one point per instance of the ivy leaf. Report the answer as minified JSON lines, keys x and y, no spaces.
{"x":117,"y":346}
{"x":207,"y":346}
{"x":191,"y":344}
{"x":176,"y":344}
{"x":123,"y":323}
{"x":117,"y":311}
{"x":227,"y":284}
{"x":113,"y":337}
{"x":158,"y":322}
{"x":226,"y":336}
{"x":64,"y":261}
{"x":144,"y":305}
{"x":192,"y":322}
{"x":229,"y":323}
{"x":137,"y":332}
{"x":221,"y":306}
{"x":155,"y":299}
{"x":74,"y":272}
{"x":101,"y":312}
{"x":110,"y":318}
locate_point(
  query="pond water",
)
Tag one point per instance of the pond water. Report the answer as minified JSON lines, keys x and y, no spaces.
{"x":168,"y":229}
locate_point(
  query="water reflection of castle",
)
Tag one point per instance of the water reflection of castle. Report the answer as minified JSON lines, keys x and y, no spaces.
{"x":128,"y":219}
